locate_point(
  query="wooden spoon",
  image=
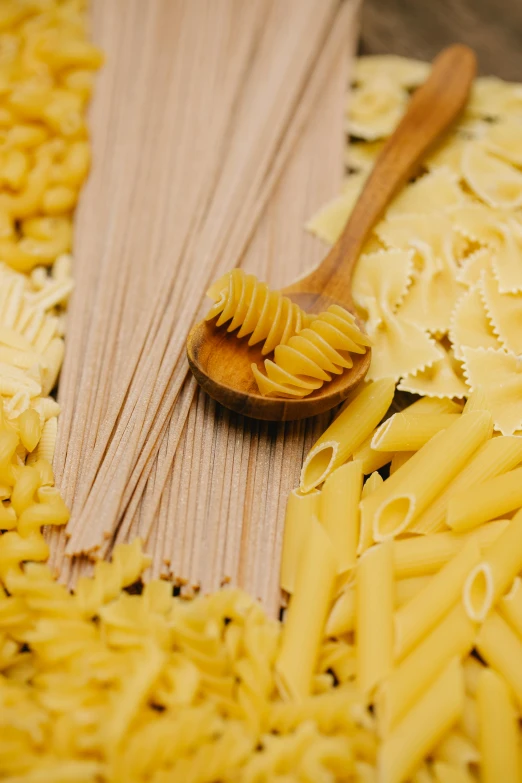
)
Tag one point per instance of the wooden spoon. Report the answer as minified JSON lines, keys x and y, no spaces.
{"x":221,"y":362}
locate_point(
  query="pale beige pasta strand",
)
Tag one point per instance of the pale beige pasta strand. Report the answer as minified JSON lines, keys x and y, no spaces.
{"x":300,"y":511}
{"x":347,"y":432}
{"x":499,"y":731}
{"x":421,"y":555}
{"x":423,"y":727}
{"x":501,"y":648}
{"x":510,"y":606}
{"x":405,"y":495}
{"x":374,"y":591}
{"x":496,"y":456}
{"x":413,"y":620}
{"x":481,"y":502}
{"x":339,"y":511}
{"x":306,"y":615}
{"x":491,"y":578}
{"x":452,"y":637}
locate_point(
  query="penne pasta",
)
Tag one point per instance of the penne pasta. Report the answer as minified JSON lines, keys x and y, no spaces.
{"x":453,"y":637}
{"x":413,"y":620}
{"x":374,"y":591}
{"x":494,"y":457}
{"x":373,"y":460}
{"x":457,"y":750}
{"x":476,"y":401}
{"x":423,"y":555}
{"x":498,"y":724}
{"x":423,"y":727}
{"x":510,"y":606}
{"x":404,"y":496}
{"x":370,"y":459}
{"x":407,"y":432}
{"x":347,"y":432}
{"x":370,"y":486}
{"x":471,"y":668}
{"x":423,"y":774}
{"x":490,"y":578}
{"x":339,"y":511}
{"x":501,"y":649}
{"x":300,"y":511}
{"x":399,"y":459}
{"x":448,"y":773}
{"x":342,"y":616}
{"x":469,"y":722}
{"x":306,"y":615}
{"x":480,"y":503}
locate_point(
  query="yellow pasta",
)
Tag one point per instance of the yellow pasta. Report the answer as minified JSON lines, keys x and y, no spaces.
{"x":457,"y":750}
{"x":407,"y":432}
{"x":413,"y":620}
{"x":501,"y":649}
{"x":346,"y":433}
{"x":490,"y":578}
{"x":300,"y":512}
{"x":453,"y":636}
{"x":406,"y":494}
{"x":496,"y":456}
{"x":510,"y":606}
{"x":499,"y":741}
{"x":255,"y":310}
{"x":493,"y":498}
{"x":423,"y":727}
{"x":309,"y":358}
{"x":448,"y":773}
{"x":339,"y":511}
{"x":374,"y":601}
{"x":307,"y":613}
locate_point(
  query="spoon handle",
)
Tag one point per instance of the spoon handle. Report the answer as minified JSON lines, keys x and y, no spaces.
{"x":433,"y":107}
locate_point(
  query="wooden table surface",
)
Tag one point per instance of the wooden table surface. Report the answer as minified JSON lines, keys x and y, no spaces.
{"x":419,"y":28}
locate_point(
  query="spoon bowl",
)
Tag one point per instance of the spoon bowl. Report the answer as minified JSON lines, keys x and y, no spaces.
{"x":221,"y":363}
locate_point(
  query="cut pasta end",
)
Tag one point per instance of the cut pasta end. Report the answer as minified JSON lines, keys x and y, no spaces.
{"x":477,"y":594}
{"x":318,"y":465}
{"x":393,"y":517}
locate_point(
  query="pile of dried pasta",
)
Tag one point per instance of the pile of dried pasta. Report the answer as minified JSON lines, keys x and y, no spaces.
{"x":400,"y":656}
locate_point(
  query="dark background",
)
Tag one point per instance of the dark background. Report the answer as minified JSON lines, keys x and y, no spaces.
{"x":420,"y":28}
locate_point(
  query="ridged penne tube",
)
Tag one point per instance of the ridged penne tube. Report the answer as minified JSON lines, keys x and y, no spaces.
{"x":423,"y":727}
{"x":476,"y":401}
{"x":308,"y":359}
{"x":407,"y":432}
{"x":490,"y":499}
{"x":499,"y":732}
{"x":252,"y":308}
{"x":418,"y":556}
{"x":494,"y":457}
{"x":489,"y":579}
{"x":452,"y":637}
{"x":413,"y":620}
{"x":306,"y":615}
{"x":471,"y":669}
{"x":342,"y":615}
{"x":374,"y":600}
{"x":347,"y":432}
{"x":409,"y":491}
{"x":300,"y":511}
{"x":449,"y":773}
{"x":510,"y":606}
{"x":339,"y":511}
{"x":457,"y":750}
{"x":501,"y":648}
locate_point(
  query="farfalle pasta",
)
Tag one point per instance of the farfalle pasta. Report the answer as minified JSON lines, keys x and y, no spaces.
{"x":459,"y":217}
